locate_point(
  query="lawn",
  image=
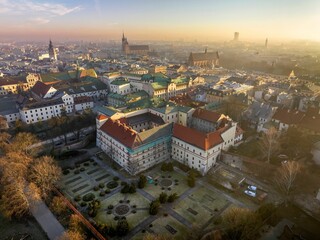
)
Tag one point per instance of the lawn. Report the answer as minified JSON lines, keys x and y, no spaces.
{"x":137,"y":212}
{"x":169,"y":182}
{"x":200,"y":206}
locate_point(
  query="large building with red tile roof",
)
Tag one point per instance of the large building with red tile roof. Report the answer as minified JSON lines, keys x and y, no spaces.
{"x":132,"y":150}
{"x":196,"y":149}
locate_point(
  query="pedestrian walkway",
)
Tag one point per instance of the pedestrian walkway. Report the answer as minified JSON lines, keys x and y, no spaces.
{"x":47,"y":221}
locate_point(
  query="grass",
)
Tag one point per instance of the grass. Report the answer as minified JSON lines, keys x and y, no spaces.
{"x":133,"y":219}
{"x":206,"y":203}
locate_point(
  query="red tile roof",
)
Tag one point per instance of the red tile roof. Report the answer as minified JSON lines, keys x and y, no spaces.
{"x":101,"y":117}
{"x":197,"y":138}
{"x":288,"y":116}
{"x":120,"y":132}
{"x":206,"y":115}
{"x":40,"y":88}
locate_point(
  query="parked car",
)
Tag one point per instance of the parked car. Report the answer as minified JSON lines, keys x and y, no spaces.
{"x":250,"y":193}
{"x":252,"y":188}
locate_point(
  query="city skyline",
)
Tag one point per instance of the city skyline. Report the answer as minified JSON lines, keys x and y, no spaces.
{"x":159,"y":20}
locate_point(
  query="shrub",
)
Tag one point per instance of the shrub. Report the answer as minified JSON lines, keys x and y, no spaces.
{"x":101,"y":185}
{"x":128,"y":201}
{"x":164,"y":167}
{"x":91,"y":160}
{"x":76,"y":171}
{"x":154,"y":207}
{"x":124,"y":183}
{"x":176,"y":180}
{"x":191,"y":180}
{"x":132,"y":188}
{"x":134,"y":206}
{"x":125,"y":189}
{"x":107,"y":191}
{"x":156,"y":184}
{"x":151,"y":225}
{"x":83,"y":204}
{"x":88,"y":197}
{"x":102,"y":194}
{"x":121,"y":201}
{"x":109,"y":212}
{"x":112,"y":184}
{"x":96,"y":188}
{"x":110,"y":206}
{"x":77,"y":165}
{"x":163,"y":197}
{"x":86,"y":164}
{"x":77,"y":198}
{"x":172,"y":197}
{"x":116,"y":218}
{"x":115,"y":178}
{"x":94,"y":164}
{"x":165,"y":214}
{"x":66,"y":172}
{"x":82,"y":169}
{"x":133,"y":211}
{"x":142,"y":181}
{"x":122,"y":227}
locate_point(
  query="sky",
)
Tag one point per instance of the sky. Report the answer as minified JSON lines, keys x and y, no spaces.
{"x":188,"y":20}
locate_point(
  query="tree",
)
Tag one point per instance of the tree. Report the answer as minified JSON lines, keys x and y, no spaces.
{"x":4,"y":141}
{"x":18,"y":197}
{"x":58,"y":205}
{"x":191,"y":180}
{"x":154,"y":207}
{"x":270,"y":142}
{"x":132,"y":188}
{"x":122,"y":227}
{"x":170,"y":167}
{"x":163,"y":197}
{"x":93,"y":207}
{"x":172,"y":197}
{"x":72,"y":235}
{"x":142,"y":181}
{"x":240,"y":223}
{"x":22,"y":141}
{"x":75,"y":224}
{"x":286,"y":176}
{"x":3,"y":123}
{"x":164,"y":167}
{"x":45,"y":174}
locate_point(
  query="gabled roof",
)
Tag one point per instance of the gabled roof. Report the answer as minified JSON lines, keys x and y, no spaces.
{"x":196,"y":138}
{"x":120,"y":132}
{"x":206,"y":56}
{"x":206,"y":115}
{"x":40,"y":88}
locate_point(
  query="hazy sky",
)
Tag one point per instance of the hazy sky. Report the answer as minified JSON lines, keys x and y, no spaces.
{"x":202,"y":20}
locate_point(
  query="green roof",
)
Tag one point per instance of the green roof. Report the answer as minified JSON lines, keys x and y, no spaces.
{"x":159,"y":85}
{"x":108,"y":111}
{"x":119,"y":82}
{"x":180,"y":80}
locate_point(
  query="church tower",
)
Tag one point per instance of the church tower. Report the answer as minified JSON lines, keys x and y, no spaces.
{"x":125,"y":44}
{"x":52,"y":52}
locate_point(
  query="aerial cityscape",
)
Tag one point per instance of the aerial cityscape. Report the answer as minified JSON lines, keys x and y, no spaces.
{"x":159,"y":120}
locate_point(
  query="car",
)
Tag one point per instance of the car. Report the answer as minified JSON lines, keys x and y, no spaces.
{"x":283,"y":156}
{"x":284,"y":162}
{"x":250,"y":193}
{"x":252,"y":188}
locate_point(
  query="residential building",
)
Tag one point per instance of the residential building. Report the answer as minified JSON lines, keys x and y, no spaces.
{"x":16,"y":84}
{"x":196,"y":149}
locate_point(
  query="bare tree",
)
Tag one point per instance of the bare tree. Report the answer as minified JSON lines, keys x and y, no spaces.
{"x":72,"y":235}
{"x":45,"y":174}
{"x":240,"y":223}
{"x":270,"y":142}
{"x":18,"y":197}
{"x":22,"y":141}
{"x":286,"y":176}
{"x":3,"y":123}
{"x":58,"y":205}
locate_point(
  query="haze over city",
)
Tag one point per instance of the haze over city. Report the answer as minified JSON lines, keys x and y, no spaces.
{"x":205,"y":20}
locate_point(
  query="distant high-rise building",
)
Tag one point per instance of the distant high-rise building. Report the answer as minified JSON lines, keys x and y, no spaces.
{"x":266,"y":43}
{"x":236,"y":36}
{"x":52,"y":52}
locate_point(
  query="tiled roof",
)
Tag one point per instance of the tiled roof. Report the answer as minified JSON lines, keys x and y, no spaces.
{"x":12,"y":80}
{"x":196,"y":138}
{"x":40,"y":89}
{"x":120,"y":132}
{"x":101,"y":117}
{"x":287,"y":116}
{"x":208,"y":56}
{"x":206,"y":115}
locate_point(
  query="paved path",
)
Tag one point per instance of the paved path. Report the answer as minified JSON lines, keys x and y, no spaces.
{"x":47,"y":221}
{"x":143,"y":225}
